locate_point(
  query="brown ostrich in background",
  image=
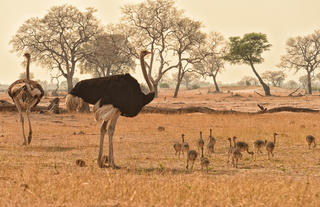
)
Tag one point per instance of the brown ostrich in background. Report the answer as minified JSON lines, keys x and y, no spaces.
{"x":113,"y":96}
{"x":26,"y":94}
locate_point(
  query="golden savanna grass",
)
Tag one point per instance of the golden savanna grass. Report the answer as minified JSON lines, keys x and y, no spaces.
{"x":45,"y":173}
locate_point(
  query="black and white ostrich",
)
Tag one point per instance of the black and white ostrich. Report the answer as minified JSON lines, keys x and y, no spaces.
{"x":26,"y":94}
{"x":113,"y":96}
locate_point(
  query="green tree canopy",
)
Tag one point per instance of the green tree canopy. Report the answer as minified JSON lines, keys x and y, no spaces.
{"x":248,"y":50}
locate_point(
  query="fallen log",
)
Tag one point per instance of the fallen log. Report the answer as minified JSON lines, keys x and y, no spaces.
{"x":289,"y":109}
{"x":183,"y":110}
{"x":7,"y":106}
{"x":291,"y":94}
{"x":259,"y":94}
{"x":163,"y":110}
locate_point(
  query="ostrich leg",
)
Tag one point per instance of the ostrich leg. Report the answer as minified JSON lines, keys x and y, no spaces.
{"x":21,"y":120}
{"x":102,"y":133}
{"x":30,"y":129}
{"x":34,"y":101}
{"x":111,"y":129}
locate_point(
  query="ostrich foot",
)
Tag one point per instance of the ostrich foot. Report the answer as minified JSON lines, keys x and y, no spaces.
{"x":29,"y":138}
{"x":24,"y":143}
{"x":114,"y":166}
{"x":102,"y":164}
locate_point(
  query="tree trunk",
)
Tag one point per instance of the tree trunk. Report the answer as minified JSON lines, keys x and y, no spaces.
{"x":216,"y":84}
{"x":176,"y":91}
{"x":266,"y":88}
{"x":309,"y":83}
{"x":187,"y":84}
{"x":179,"y":79}
{"x":156,"y":91}
{"x":69,"y":82}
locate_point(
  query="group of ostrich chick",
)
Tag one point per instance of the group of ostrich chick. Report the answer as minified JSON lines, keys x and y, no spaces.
{"x":236,"y":148}
{"x":117,"y":95}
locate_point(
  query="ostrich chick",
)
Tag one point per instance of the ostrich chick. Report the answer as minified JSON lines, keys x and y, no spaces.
{"x":271,"y":145}
{"x":200,"y":141}
{"x":178,"y":148}
{"x":236,"y":155}
{"x":211,"y":144}
{"x":242,"y":146}
{"x":204,"y":161}
{"x":185,"y":145}
{"x":311,"y":140}
{"x":191,"y":156}
{"x":258,"y":144}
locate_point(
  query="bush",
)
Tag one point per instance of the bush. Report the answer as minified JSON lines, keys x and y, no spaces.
{"x":195,"y":86}
{"x":164,"y":85}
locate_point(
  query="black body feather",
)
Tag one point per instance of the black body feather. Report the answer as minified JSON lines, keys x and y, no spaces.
{"x":122,"y":91}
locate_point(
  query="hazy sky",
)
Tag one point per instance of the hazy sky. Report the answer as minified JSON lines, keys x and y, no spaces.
{"x":279,"y":19}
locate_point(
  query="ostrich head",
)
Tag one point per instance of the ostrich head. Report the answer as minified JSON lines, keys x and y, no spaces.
{"x":27,"y":55}
{"x":144,"y":53}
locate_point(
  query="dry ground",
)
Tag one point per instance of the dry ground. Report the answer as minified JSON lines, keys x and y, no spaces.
{"x":45,"y":173}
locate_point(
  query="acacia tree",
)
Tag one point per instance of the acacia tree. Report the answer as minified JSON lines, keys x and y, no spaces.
{"x":248,"y":50}
{"x":150,"y":24}
{"x":303,"y":53}
{"x":186,"y":39}
{"x":56,"y":41}
{"x":213,"y":62}
{"x":105,"y":56}
{"x":276,"y":78}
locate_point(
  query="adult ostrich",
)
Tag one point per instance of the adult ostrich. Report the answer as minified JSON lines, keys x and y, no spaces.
{"x":113,"y":96}
{"x":26,"y":94}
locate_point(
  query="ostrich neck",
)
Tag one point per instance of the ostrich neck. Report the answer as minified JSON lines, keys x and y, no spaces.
{"x":274,"y":139}
{"x":145,"y":75}
{"x":182,"y":139}
{"x":230,"y":143}
{"x":27,"y":69}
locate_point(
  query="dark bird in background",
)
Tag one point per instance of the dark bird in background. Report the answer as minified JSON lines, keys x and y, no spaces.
{"x":113,"y":96}
{"x":26,"y":94}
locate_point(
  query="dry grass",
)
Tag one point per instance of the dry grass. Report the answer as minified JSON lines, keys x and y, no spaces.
{"x":45,"y":173}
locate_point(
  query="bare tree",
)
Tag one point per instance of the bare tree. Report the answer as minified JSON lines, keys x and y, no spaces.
{"x":105,"y":55}
{"x":56,"y":78}
{"x":150,"y":24}
{"x":56,"y":40}
{"x":276,"y":78}
{"x":213,"y":63}
{"x":303,"y":53}
{"x":186,"y":40}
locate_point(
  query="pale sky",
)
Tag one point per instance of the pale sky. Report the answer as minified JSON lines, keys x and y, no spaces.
{"x":279,"y":19}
